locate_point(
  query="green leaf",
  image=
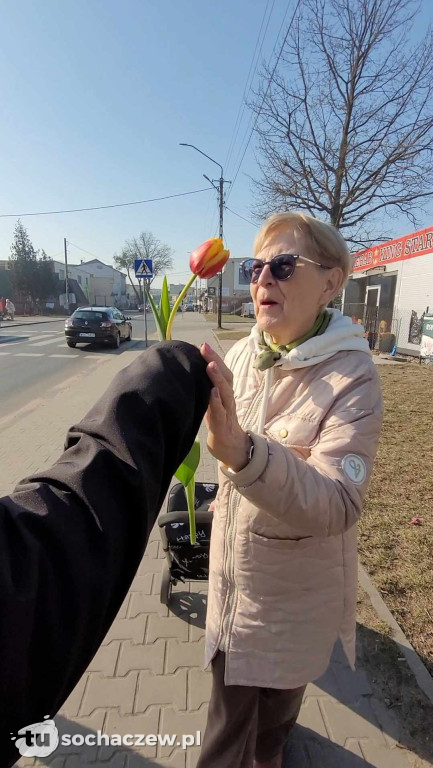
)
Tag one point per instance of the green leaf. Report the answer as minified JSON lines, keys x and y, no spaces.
{"x":161,"y":331}
{"x":186,"y":475}
{"x":164,"y":307}
{"x":187,"y":469}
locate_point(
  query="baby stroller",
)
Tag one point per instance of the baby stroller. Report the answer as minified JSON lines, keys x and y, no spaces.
{"x":185,"y":562}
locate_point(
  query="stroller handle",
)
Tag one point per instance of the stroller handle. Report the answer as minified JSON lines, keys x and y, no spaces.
{"x":201,"y":516}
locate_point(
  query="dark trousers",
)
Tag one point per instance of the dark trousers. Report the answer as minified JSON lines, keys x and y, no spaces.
{"x":246,"y":722}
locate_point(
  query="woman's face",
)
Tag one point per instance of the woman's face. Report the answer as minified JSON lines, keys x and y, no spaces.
{"x":287,"y":309}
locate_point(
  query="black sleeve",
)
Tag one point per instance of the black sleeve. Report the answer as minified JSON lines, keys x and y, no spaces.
{"x":72,"y":537}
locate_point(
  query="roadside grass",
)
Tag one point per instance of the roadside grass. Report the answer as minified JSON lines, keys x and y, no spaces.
{"x":397,"y":555}
{"x":211,"y":317}
{"x":393,"y":682}
{"x":234,"y":335}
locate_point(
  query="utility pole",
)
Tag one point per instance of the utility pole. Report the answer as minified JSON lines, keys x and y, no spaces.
{"x":144,"y":311}
{"x":220,"y":274}
{"x":66,"y":274}
{"x":220,"y":190}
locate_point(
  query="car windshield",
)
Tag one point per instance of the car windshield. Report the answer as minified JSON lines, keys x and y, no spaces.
{"x":83,"y":314}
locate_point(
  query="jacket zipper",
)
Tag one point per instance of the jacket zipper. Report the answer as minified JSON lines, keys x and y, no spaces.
{"x":229,"y":570}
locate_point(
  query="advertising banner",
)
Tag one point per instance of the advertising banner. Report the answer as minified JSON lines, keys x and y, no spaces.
{"x":417,"y":244}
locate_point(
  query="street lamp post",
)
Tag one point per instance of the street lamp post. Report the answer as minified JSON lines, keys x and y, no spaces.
{"x":220,"y":190}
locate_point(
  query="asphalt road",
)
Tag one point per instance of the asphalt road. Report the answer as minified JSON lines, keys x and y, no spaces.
{"x":35,"y":359}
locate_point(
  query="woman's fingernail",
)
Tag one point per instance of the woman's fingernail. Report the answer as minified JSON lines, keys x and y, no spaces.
{"x":216,"y":393}
{"x":206,"y":347}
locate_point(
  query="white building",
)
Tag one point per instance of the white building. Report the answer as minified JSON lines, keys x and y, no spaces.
{"x":235,"y":288}
{"x":392,"y":288}
{"x":74,"y":273}
{"x":107,"y":284}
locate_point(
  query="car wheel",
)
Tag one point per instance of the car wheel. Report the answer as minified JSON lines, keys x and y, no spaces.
{"x":71,"y":344}
{"x":130,"y":335}
{"x":116,"y":342}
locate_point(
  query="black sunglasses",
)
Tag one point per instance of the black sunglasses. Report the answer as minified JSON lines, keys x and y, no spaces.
{"x":282,"y":267}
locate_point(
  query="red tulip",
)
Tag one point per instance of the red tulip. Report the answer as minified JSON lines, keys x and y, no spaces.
{"x":209,"y":258}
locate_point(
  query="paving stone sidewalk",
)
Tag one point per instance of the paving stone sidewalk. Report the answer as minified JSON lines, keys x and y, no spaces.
{"x":147,"y":677}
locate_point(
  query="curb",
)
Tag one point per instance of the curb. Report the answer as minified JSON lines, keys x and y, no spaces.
{"x":32,"y":322}
{"x":422,"y":675}
{"x":222,"y":352}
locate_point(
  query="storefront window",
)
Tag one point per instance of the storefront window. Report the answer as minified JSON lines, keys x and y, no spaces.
{"x":369,"y":307}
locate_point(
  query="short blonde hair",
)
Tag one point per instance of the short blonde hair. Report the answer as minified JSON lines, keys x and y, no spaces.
{"x":329,"y":246}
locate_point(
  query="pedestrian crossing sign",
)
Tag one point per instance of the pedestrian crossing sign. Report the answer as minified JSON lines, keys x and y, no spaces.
{"x":143,"y":268}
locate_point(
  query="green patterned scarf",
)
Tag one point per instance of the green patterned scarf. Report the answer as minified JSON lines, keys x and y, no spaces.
{"x":273,"y":352}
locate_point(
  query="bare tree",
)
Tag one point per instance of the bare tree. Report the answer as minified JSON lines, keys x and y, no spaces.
{"x":145,"y":246}
{"x":345,"y":123}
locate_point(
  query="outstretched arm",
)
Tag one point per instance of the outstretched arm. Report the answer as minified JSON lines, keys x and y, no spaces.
{"x":72,"y":537}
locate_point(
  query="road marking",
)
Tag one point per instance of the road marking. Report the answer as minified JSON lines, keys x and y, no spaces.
{"x":37,"y":338}
{"x":70,"y":357}
{"x":42,"y":335}
{"x":46,"y":333}
{"x":28,"y":354}
{"x":14,"y":343}
{"x":26,"y":341}
{"x":44,"y":354}
{"x":44,"y":343}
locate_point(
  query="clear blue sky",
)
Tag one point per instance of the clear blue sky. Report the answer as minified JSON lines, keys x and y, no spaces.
{"x":96,"y":96}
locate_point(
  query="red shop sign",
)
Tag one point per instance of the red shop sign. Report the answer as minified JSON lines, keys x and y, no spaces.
{"x":406,"y":247}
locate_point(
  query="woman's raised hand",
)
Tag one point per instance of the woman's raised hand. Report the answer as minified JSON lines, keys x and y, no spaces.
{"x":227,"y":441}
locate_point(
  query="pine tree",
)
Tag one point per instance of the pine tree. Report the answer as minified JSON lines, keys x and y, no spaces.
{"x":24,"y":263}
{"x":46,"y":280}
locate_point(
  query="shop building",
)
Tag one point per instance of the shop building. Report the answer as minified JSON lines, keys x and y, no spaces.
{"x":391,"y":289}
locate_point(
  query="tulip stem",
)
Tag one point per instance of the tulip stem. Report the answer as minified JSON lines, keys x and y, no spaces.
{"x":177,"y":304}
{"x":190,"y":497}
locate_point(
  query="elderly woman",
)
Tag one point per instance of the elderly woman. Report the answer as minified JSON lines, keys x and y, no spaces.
{"x":294,"y":421}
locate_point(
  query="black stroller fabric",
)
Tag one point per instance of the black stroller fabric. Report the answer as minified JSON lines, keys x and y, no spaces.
{"x":188,"y":561}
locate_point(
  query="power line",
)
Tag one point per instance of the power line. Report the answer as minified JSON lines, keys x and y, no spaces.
{"x":267,"y":88}
{"x":82,"y":249}
{"x":102,"y":207}
{"x":242,"y":217}
{"x":247,"y":87}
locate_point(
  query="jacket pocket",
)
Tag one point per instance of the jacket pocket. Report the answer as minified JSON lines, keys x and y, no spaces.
{"x":293,"y":431}
{"x":281,"y":544}
{"x":292,"y":573}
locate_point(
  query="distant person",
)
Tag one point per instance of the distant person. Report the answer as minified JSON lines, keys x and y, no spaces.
{"x":10,"y":309}
{"x":72,"y":536}
{"x":294,"y":421}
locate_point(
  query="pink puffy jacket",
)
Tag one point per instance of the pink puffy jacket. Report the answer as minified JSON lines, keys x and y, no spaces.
{"x":283,"y":561}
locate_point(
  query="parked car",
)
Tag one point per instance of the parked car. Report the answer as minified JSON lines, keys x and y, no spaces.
{"x":98,"y":325}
